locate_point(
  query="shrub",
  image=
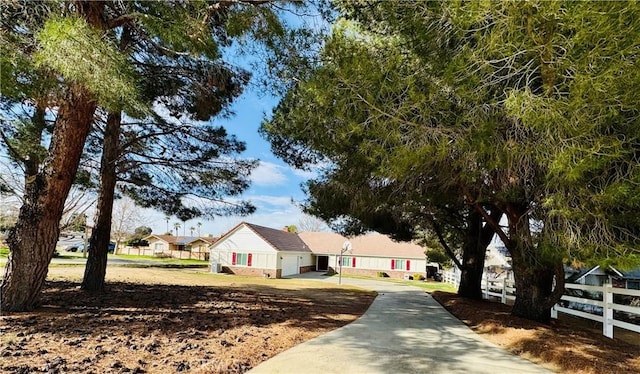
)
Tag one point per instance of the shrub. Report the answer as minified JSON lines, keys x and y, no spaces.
{"x":418,"y":277}
{"x":382,"y":274}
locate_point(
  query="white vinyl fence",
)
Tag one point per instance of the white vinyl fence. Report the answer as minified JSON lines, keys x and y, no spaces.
{"x":611,"y":306}
{"x":146,"y":251}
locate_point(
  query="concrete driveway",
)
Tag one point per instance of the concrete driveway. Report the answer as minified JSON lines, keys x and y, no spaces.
{"x":404,"y":331}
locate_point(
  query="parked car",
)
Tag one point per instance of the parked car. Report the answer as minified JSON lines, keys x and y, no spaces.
{"x":437,"y":277}
{"x":74,"y":248}
{"x":80,"y":247}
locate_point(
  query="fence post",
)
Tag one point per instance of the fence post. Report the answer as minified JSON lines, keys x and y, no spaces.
{"x":554,"y":312}
{"x":607,"y":311}
{"x":504,"y":291}
{"x":486,"y":286}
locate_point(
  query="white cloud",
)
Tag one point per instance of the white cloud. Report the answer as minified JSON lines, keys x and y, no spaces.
{"x":268,"y":174}
{"x":305,"y":174}
{"x":272,"y":201}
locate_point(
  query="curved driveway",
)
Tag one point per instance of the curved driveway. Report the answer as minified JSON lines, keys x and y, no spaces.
{"x":404,"y":331}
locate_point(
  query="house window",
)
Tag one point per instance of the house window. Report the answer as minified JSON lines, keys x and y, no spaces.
{"x":348,"y":262}
{"x":241,"y":259}
{"x":158,"y":247}
{"x":398,"y":264}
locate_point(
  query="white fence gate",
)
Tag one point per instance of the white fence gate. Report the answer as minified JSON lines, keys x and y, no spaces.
{"x":602,"y":310}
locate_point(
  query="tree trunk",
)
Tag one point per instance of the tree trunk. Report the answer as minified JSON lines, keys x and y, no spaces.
{"x":476,"y":240}
{"x":534,"y":287}
{"x":33,"y":239}
{"x":534,"y":272}
{"x":96,"y":267}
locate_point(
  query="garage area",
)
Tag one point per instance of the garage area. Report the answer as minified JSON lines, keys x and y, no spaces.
{"x":290,"y":265}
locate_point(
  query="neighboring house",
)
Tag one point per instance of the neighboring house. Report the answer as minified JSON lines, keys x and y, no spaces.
{"x":250,"y":249}
{"x":168,"y":243}
{"x":594,"y":276}
{"x":629,"y":279}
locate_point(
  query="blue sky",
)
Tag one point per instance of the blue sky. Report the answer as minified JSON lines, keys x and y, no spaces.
{"x":275,"y":186}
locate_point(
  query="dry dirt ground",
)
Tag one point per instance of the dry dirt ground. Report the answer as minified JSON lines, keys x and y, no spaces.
{"x":568,"y":346}
{"x":164,"y":321}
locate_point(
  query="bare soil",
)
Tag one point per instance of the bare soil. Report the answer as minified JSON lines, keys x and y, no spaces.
{"x":163,"y":321}
{"x":566,"y":346}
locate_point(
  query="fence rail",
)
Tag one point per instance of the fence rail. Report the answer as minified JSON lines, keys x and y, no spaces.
{"x":599,"y":300}
{"x":146,"y":251}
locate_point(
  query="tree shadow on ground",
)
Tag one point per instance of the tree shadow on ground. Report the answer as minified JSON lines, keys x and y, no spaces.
{"x":172,"y":308}
{"x":152,"y":320}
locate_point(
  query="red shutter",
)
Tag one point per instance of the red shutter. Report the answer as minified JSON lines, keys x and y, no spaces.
{"x":249,"y":259}
{"x":233,"y":258}
{"x":393,"y":264}
{"x":353,"y":262}
{"x":408,"y":267}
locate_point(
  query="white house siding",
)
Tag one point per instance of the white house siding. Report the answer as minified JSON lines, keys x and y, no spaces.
{"x":245,"y":240}
{"x":264,"y":258}
{"x":158,"y":246}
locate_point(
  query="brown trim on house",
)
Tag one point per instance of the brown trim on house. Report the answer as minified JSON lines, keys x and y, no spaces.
{"x":306,"y":269}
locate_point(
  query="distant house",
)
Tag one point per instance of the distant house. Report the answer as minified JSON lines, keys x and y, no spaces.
{"x":168,"y":243}
{"x":250,"y":249}
{"x":629,"y":279}
{"x":593,"y":276}
{"x":597,"y":276}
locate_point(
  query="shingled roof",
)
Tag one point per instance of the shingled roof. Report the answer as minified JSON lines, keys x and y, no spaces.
{"x":279,"y":239}
{"x":373,"y":244}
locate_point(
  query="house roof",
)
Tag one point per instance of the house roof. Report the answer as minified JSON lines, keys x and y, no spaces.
{"x":373,"y":244}
{"x":575,"y":275}
{"x":631,"y":274}
{"x":280,"y":240}
{"x":182,"y":240}
{"x":325,"y":243}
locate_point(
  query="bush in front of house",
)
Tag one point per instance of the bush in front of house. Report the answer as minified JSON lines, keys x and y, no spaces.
{"x":382,"y":274}
{"x":418,"y":277}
